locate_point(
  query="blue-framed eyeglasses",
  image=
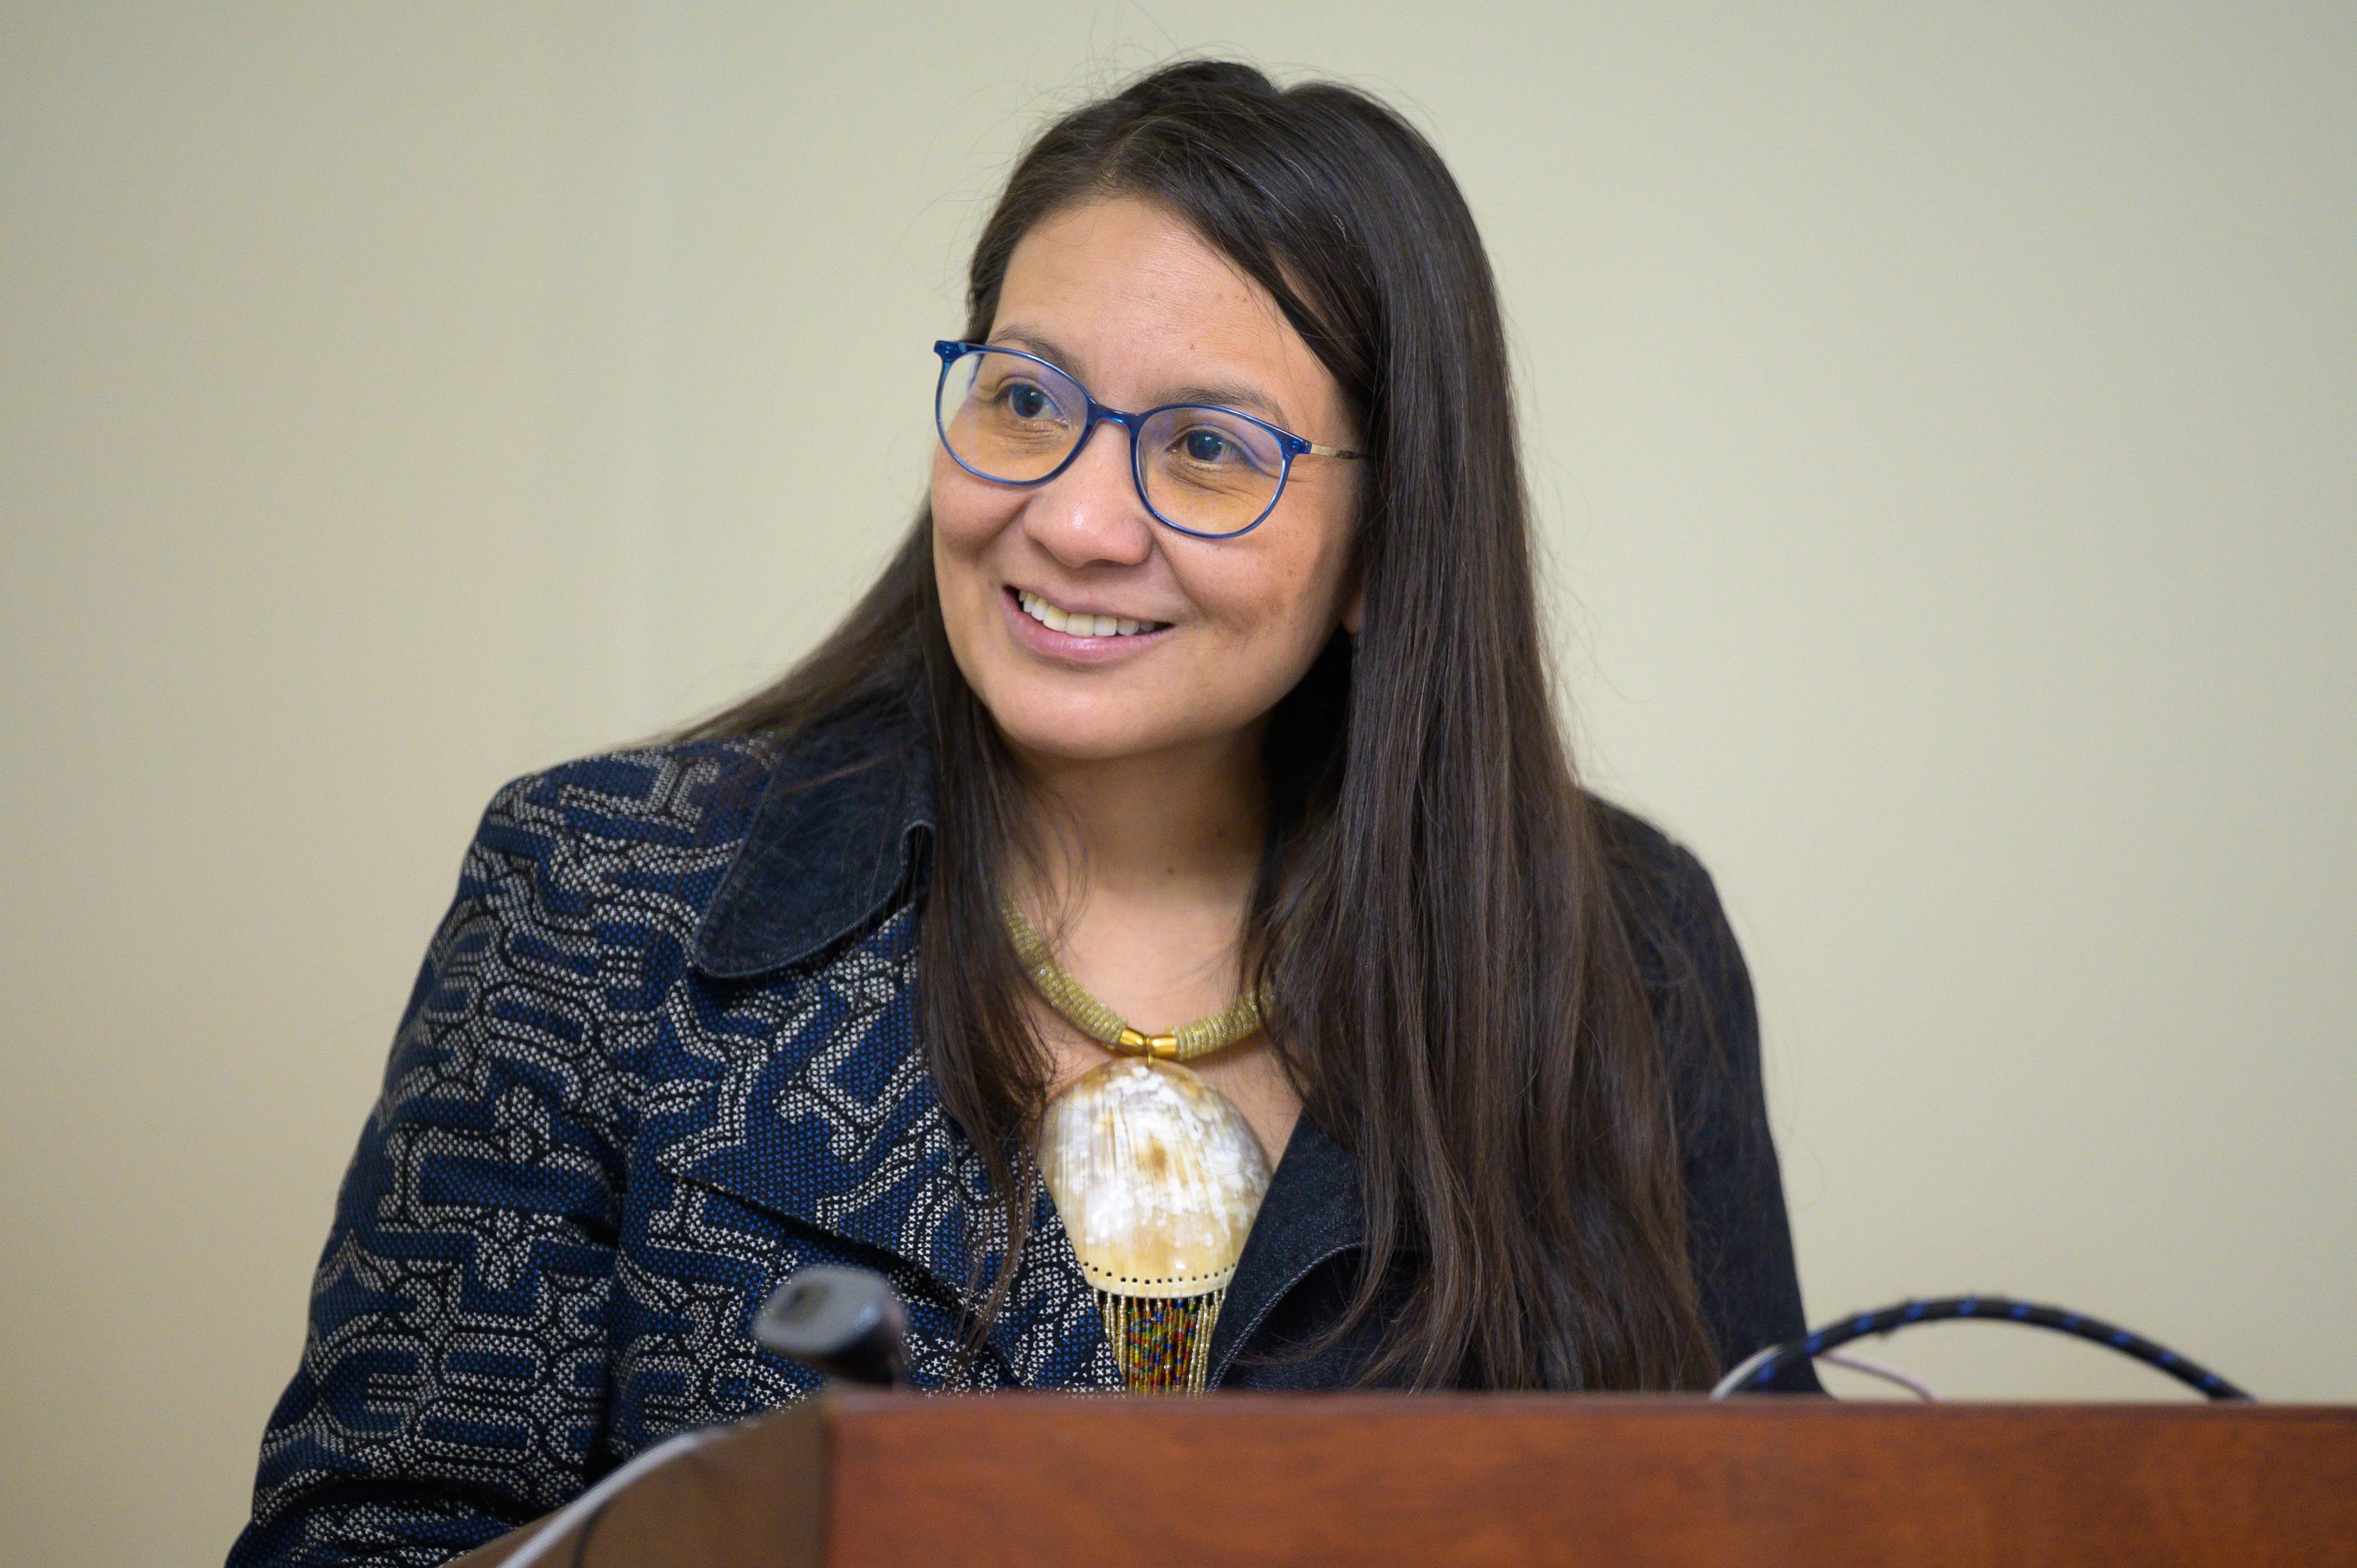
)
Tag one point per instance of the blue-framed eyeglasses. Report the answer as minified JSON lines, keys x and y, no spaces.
{"x":1015,"y":419}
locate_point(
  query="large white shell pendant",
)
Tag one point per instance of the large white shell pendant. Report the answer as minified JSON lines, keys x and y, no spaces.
{"x":1157,"y":1176}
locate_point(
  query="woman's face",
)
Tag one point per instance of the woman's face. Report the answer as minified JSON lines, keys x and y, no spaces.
{"x":1124,"y":297}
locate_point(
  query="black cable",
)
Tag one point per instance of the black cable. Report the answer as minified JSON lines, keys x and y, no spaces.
{"x":1763,"y":1370}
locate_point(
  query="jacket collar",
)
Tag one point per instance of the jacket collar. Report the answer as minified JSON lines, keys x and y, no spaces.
{"x":832,"y":838}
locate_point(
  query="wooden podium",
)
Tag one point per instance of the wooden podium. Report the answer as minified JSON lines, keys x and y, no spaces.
{"x":864,"y":1480}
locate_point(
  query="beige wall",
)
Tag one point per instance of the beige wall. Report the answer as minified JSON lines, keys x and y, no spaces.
{"x":1942,"y":420}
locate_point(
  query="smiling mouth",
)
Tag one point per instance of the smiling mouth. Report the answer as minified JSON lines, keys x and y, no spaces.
{"x":1073,"y":624}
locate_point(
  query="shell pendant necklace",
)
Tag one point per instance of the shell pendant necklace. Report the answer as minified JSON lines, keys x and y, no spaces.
{"x":1155,"y":1174}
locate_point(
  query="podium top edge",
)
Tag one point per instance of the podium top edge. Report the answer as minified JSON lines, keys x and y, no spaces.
{"x":855,"y":1405}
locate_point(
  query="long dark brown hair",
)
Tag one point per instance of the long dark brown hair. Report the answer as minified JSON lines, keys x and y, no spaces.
{"x":1457,"y":994}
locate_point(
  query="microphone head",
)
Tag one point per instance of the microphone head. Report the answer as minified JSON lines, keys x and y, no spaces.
{"x":844,"y":1323}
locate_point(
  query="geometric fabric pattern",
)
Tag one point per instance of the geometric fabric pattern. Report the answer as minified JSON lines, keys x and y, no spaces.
{"x":590,"y":1164}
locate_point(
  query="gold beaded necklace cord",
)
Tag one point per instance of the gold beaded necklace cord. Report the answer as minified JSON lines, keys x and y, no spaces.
{"x":1102,"y":1024}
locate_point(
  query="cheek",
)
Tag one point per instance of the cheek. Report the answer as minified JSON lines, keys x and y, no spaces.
{"x":967,"y":513}
{"x":1281,"y":601}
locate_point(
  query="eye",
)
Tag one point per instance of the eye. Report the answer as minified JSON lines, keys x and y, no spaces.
{"x":1215,"y":444}
{"x":1028,"y":400}
{"x":1206,"y":447}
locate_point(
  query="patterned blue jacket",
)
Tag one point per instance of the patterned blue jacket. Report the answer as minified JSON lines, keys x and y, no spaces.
{"x":662,"y":1053}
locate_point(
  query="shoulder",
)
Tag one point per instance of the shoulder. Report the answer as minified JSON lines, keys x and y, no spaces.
{"x":623,"y":848}
{"x":660,"y":821}
{"x":682,"y":795}
{"x":1667,"y":902}
{"x":1699,"y":987}
{"x":743,"y":852}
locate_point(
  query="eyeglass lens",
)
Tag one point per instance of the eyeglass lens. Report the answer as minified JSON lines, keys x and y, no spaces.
{"x":1015,"y":420}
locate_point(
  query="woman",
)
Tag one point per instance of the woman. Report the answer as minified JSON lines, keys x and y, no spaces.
{"x":1233,"y":711}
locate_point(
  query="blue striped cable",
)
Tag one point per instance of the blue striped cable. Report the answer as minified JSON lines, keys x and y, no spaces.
{"x":1996,"y":1309}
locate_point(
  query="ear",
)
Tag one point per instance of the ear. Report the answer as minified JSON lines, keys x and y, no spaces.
{"x":1353,"y":612}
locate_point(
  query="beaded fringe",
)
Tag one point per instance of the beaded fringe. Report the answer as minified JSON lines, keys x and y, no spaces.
{"x":1163,"y":1344}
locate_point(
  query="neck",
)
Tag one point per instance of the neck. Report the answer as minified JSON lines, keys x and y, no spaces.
{"x":1179,"y":828}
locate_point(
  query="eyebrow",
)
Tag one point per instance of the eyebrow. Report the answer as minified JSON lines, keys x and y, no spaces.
{"x":1228,"y":395}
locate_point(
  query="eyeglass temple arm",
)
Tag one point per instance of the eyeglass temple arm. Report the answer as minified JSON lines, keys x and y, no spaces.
{"x":1315,"y":450}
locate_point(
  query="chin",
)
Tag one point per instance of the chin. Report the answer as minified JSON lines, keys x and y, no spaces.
{"x":1101,"y":727}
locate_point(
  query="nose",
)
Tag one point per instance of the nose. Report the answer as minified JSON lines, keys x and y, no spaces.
{"x":1090,"y":514}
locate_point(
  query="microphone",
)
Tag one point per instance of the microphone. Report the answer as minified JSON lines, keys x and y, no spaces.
{"x":844,"y":1324}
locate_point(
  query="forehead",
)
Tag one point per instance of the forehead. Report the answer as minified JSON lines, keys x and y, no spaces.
{"x":1138,"y":302}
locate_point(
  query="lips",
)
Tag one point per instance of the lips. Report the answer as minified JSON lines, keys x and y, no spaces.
{"x":1079,"y":622}
{"x":1027,"y":623}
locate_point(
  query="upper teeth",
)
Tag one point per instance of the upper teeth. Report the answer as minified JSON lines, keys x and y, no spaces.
{"x":1078,"y":625}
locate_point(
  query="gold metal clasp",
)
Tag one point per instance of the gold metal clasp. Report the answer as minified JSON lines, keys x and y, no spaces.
{"x":1135,"y":1044}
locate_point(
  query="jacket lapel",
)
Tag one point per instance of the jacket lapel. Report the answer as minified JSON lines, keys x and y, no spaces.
{"x":796,"y":1080}
{"x":1309,"y":1214}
